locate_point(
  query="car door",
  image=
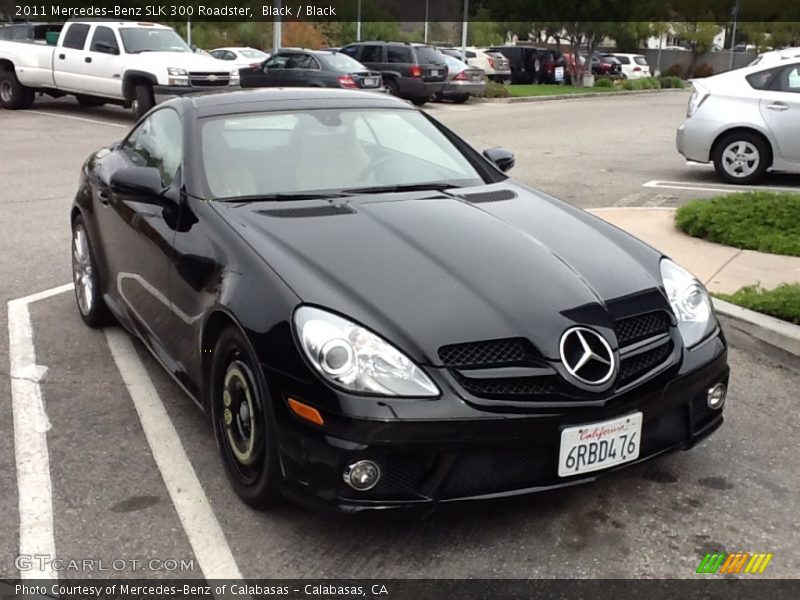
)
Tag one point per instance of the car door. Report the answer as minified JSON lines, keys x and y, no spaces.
{"x":275,"y":70}
{"x":137,"y":234}
{"x":103,"y":64}
{"x":298,"y":69}
{"x":780,"y":109}
{"x":68,"y":59}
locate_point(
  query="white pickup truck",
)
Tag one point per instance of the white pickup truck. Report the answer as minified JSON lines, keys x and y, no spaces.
{"x":128,"y":63}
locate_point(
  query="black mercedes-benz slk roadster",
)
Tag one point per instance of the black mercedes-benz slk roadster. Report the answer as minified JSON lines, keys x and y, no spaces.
{"x":373,"y":315}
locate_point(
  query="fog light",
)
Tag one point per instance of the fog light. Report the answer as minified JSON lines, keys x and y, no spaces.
{"x":716,"y":396}
{"x":362,"y":475}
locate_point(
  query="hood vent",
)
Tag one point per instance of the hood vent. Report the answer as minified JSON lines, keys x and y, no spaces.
{"x":311,"y":211}
{"x":490,"y":196}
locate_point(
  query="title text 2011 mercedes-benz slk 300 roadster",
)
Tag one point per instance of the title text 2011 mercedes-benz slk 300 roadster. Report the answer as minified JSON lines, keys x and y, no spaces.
{"x":374,"y":315}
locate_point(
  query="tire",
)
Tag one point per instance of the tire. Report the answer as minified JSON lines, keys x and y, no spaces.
{"x":459,"y":99}
{"x":89,"y":101}
{"x":143,"y":100}
{"x":14,"y":95}
{"x":86,"y":278}
{"x":243,"y":421}
{"x":419,"y":101}
{"x":742,"y":157}
{"x":391,"y":88}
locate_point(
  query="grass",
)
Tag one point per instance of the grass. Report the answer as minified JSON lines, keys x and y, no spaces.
{"x":783,"y":302}
{"x":552,"y":90}
{"x":764,"y":221}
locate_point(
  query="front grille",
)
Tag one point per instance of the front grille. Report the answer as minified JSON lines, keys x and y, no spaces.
{"x":631,"y":368}
{"x":517,"y":386}
{"x":635,"y":329}
{"x":203,"y":79}
{"x":490,"y":353}
{"x":308,"y":211}
{"x":501,"y":470}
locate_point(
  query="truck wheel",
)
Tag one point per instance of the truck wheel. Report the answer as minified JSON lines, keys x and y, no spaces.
{"x":142,"y":100}
{"x":14,"y":95}
{"x":89,"y":101}
{"x":391,"y":88}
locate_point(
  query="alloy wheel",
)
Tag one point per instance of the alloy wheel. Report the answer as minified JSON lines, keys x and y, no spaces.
{"x":82,"y":274}
{"x":740,"y":159}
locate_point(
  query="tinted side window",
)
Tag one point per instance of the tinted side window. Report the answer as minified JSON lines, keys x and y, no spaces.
{"x":351,"y":51}
{"x":158,"y":143}
{"x":624,"y":60}
{"x":76,"y":36}
{"x":790,"y":79}
{"x":762,"y":79}
{"x":372,"y":53}
{"x":398,"y":54}
{"x":103,"y":35}
{"x":278,"y":61}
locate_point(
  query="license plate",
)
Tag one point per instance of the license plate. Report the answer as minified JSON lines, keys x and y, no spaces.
{"x":477,"y":78}
{"x":596,"y":446}
{"x":434,"y":72}
{"x":370,"y":81}
{"x":559,"y":73}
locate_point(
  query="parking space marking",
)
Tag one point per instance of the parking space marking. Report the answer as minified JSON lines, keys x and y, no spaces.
{"x":714,"y":187}
{"x":96,"y":121}
{"x":198,"y":519}
{"x":34,"y":486}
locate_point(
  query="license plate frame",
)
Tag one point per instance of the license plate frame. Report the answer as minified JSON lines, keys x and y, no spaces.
{"x":615,"y":441}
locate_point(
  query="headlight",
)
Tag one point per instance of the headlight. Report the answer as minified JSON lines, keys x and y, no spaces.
{"x":234,"y":77}
{"x":356,"y":359}
{"x":177,"y":72}
{"x":690,"y":302}
{"x":177,"y":76}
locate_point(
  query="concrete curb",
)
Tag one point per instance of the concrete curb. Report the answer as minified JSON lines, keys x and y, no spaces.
{"x":524,"y":99}
{"x":765,"y":335}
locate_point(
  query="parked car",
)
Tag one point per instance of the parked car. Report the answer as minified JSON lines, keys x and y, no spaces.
{"x":462,"y":81}
{"x":606,"y":66}
{"x":129,"y":63}
{"x":745,"y":121}
{"x":416,"y":72}
{"x":776,"y":56}
{"x":494,"y":65}
{"x":534,"y":65}
{"x":633,"y":66}
{"x":571,"y":68}
{"x":373,"y":315}
{"x":313,"y":68}
{"x":241,"y":58}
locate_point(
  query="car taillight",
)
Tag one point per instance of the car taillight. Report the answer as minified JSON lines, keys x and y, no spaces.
{"x":346,"y":81}
{"x":416,"y":71}
{"x":462,"y":76}
{"x":491,"y":62}
{"x":637,"y":69}
{"x":256,"y":66}
{"x":699,"y":95}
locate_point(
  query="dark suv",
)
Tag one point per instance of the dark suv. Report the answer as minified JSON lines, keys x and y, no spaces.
{"x":533,"y":65}
{"x":415,"y":72}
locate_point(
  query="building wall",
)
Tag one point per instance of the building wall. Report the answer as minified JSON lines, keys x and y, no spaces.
{"x":719,"y":61}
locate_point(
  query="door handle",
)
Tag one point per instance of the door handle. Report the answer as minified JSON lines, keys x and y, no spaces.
{"x":88,"y":59}
{"x":61,"y":56}
{"x":779,"y":106}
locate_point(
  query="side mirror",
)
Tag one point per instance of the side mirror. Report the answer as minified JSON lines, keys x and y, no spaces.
{"x":142,"y":182}
{"x":502,"y":158}
{"x":106,"y":48}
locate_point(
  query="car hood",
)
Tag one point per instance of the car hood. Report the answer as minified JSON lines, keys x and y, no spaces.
{"x":184,"y":60}
{"x":427,"y":270}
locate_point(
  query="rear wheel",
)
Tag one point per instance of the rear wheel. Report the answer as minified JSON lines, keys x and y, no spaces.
{"x":143,"y":100}
{"x":419,"y":101}
{"x":742,"y":157}
{"x":243,"y":421}
{"x":460,"y":99}
{"x":86,"y":278}
{"x":392,"y":89}
{"x":14,"y":95}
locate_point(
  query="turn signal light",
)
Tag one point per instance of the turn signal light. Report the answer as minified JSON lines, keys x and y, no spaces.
{"x":306,"y":412}
{"x":416,"y":71}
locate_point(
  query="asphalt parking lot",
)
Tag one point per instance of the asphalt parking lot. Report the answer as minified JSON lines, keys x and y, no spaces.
{"x":125,"y":486}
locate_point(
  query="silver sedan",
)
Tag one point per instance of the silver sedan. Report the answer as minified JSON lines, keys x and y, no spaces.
{"x":745,"y":121}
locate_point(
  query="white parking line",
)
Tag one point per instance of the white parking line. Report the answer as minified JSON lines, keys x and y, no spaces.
{"x":713,"y":187}
{"x":34,"y":486}
{"x":60,"y":116}
{"x":202,"y":528}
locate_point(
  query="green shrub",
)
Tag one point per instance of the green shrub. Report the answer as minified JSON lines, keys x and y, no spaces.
{"x":765,"y":221}
{"x":782,"y":303}
{"x":630,"y":84}
{"x":677,"y":82}
{"x":604,"y":82}
{"x":666,"y":82}
{"x":495,"y":90}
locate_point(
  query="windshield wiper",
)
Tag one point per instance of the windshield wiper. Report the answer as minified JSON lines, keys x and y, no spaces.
{"x":283,"y":196}
{"x":410,"y":187}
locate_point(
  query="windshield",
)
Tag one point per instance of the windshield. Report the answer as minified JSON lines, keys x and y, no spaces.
{"x":151,"y":39}
{"x":257,"y":54}
{"x":427,"y":55}
{"x":328,"y":150}
{"x":341,"y":62}
{"x":454,"y":65}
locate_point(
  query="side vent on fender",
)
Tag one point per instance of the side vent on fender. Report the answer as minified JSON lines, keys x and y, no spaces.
{"x":311,"y":211}
{"x":490,"y":196}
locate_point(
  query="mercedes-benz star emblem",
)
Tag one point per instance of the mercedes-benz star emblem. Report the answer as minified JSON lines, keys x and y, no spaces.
{"x":587,"y":356}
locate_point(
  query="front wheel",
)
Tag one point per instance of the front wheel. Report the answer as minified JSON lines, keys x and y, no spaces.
{"x":143,"y":100}
{"x":243,"y":421}
{"x":741,"y":157}
{"x":14,"y":95}
{"x":86,"y":278}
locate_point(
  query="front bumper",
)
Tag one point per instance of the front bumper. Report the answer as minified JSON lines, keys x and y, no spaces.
{"x":456,"y":88}
{"x":162,"y":93}
{"x":425,"y":461}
